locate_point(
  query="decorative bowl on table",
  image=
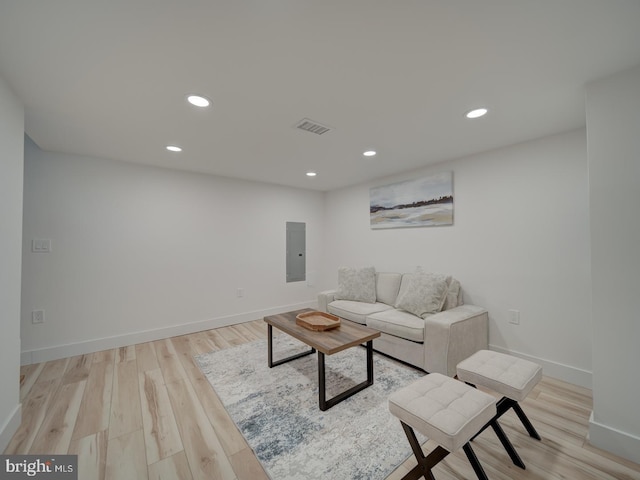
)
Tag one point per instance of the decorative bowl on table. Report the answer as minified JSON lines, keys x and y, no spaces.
{"x":317,"y":321}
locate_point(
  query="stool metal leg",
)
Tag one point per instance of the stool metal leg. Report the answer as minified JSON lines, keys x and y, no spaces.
{"x":525,"y":421}
{"x":473,"y":460}
{"x":502,"y":407}
{"x":425,"y":464}
{"x":506,"y":443}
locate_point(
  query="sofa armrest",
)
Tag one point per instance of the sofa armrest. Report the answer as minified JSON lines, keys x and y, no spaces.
{"x":324,"y":299}
{"x":453,"y":335}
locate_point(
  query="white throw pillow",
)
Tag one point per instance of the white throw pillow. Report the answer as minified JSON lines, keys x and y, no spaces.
{"x":357,"y":284}
{"x":422,"y":294}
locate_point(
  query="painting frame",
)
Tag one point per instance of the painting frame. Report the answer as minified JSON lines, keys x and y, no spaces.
{"x":420,"y":202}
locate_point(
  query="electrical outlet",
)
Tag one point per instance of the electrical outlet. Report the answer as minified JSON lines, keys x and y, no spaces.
{"x":240,"y":292}
{"x":41,"y":245}
{"x":37,"y":316}
{"x":514,"y":317}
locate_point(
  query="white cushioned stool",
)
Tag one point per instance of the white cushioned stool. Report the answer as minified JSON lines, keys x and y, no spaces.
{"x":509,"y":376}
{"x":448,"y":412}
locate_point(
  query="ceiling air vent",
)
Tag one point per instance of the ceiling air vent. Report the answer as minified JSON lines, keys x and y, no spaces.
{"x":311,"y":126}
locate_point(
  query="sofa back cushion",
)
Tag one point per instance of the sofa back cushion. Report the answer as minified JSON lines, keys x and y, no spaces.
{"x":454,"y":295}
{"x":387,"y":287}
{"x":356,"y":284}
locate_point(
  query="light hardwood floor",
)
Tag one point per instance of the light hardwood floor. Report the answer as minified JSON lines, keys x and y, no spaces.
{"x":146,"y":411}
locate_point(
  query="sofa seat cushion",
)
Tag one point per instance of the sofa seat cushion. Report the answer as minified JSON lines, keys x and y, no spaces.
{"x":399,"y":324}
{"x":356,"y":311}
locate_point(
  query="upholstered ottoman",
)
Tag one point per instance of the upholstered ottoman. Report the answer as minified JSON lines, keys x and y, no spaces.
{"x":509,"y":376}
{"x":448,"y":412}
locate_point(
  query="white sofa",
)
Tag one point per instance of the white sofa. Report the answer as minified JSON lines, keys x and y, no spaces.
{"x":435,"y":343}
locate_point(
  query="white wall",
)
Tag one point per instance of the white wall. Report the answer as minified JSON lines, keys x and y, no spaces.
{"x":520,"y":240}
{"x":142,"y":252}
{"x":613,"y":125}
{"x":11,"y":175}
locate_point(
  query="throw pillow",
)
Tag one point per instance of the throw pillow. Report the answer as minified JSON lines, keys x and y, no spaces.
{"x":422,"y":294}
{"x":357,"y":284}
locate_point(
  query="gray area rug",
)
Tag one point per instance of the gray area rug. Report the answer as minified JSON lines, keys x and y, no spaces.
{"x":276,"y":409}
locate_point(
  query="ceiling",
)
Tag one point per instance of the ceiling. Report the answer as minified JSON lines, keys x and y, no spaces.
{"x":108,"y":78}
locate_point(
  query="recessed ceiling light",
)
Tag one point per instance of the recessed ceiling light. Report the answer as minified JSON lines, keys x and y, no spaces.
{"x":311,"y":174}
{"x":174,"y":148}
{"x":476,"y":113}
{"x":198,"y":100}
{"x":369,"y":153}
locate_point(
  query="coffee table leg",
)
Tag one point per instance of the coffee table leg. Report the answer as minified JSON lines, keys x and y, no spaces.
{"x":270,"y":345}
{"x":321,"y":384}
{"x":370,"y":362}
{"x":322,"y":394}
{"x":270,"y":360}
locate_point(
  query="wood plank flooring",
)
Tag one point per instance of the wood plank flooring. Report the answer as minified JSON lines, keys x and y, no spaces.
{"x":147,"y":412}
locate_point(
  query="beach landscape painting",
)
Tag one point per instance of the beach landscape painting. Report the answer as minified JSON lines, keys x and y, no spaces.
{"x":423,"y":202}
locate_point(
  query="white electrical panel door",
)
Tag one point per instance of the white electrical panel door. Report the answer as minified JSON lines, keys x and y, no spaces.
{"x":296,"y":252}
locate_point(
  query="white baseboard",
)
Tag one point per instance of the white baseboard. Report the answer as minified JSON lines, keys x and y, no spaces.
{"x":10,"y":427}
{"x":80,"y":348}
{"x":613,"y":440}
{"x":567,"y":373}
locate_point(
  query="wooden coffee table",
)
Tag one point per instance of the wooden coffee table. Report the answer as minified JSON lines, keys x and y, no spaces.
{"x":327,"y":342}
